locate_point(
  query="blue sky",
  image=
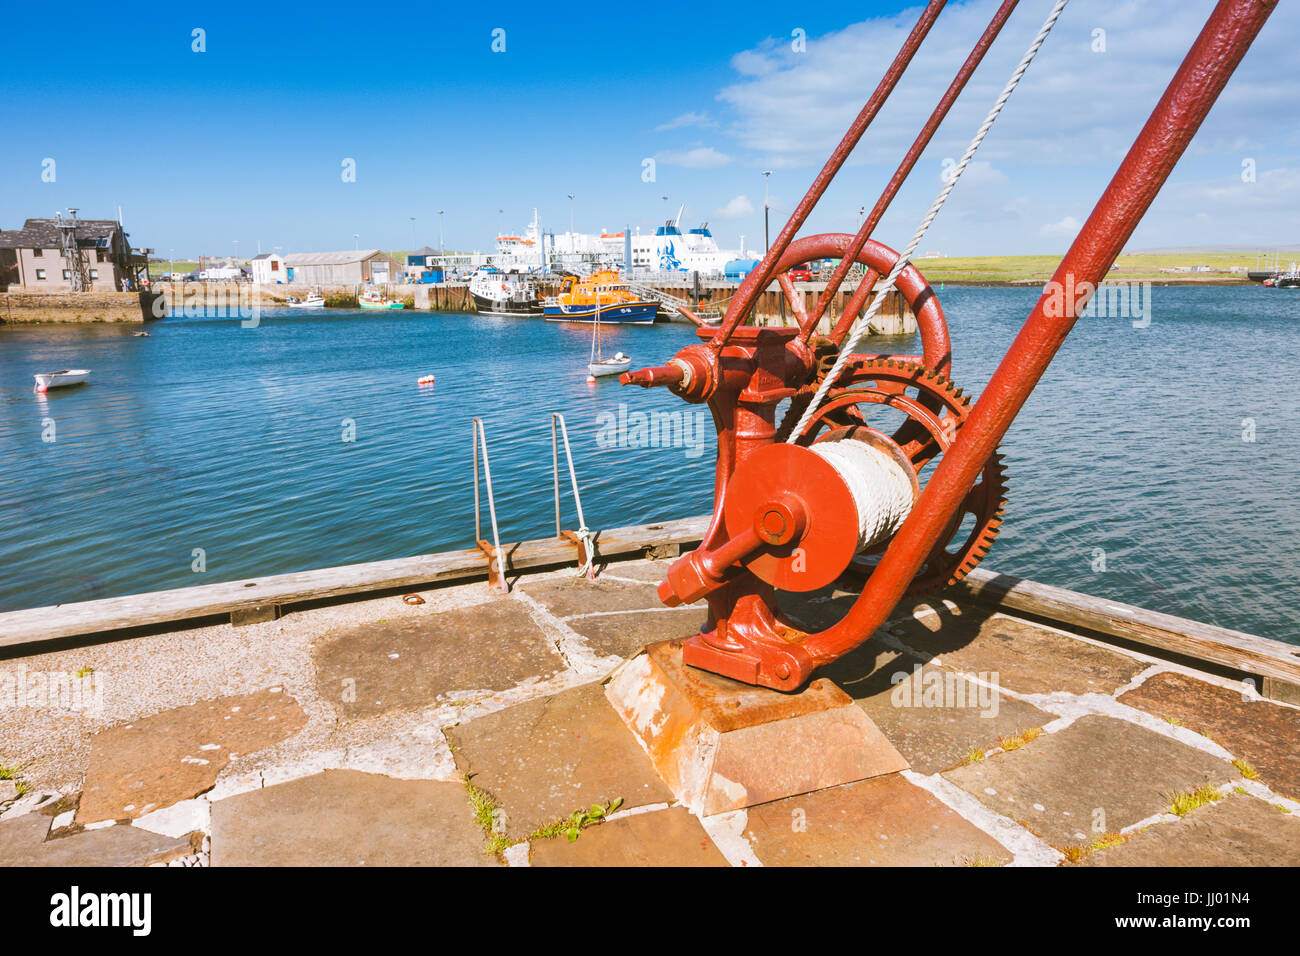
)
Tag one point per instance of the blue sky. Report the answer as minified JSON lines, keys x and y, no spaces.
{"x":245,"y":141}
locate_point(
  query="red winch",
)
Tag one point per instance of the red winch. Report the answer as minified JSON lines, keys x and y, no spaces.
{"x":830,"y":460}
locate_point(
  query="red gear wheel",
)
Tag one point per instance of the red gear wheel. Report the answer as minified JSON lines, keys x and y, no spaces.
{"x":935,"y":409}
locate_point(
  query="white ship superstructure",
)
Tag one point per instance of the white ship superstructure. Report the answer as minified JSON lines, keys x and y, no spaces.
{"x":671,"y":250}
{"x":668,"y":249}
{"x":520,"y":253}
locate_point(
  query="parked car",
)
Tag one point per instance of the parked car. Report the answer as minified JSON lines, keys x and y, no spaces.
{"x":802,"y":273}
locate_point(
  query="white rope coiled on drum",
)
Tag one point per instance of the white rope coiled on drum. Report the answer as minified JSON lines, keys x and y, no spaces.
{"x":881,"y":488}
{"x":864,"y":321}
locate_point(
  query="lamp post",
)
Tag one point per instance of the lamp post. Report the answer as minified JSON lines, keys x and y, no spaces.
{"x":442,"y":242}
{"x":570,"y":214}
{"x":767,"y":242}
{"x":356,"y":241}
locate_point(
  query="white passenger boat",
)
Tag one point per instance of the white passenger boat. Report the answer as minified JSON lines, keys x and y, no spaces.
{"x":64,"y":376}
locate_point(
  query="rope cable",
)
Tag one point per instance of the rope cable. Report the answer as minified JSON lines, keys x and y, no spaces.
{"x":863,"y":322}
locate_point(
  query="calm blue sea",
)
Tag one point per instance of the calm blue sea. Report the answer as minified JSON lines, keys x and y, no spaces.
{"x":1171,"y":452}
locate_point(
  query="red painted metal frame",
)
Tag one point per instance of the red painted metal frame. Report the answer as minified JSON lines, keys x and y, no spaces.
{"x":1223,"y":41}
{"x":745,"y":372}
{"x":759,"y":279}
{"x":859,"y":297}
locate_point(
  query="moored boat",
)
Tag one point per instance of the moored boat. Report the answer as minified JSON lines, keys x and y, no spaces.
{"x":603,"y":293}
{"x":615,"y":365}
{"x":61,"y":378}
{"x":374,"y":299}
{"x":502,"y":294}
{"x":313,"y":301}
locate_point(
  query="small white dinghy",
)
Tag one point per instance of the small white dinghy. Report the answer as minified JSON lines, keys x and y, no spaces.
{"x":611,"y":366}
{"x":65,"y":376}
{"x":598,"y":367}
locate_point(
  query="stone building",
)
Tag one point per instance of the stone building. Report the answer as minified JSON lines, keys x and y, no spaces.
{"x":69,"y":255}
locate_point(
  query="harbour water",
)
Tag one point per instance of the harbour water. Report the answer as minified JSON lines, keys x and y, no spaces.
{"x":1155,"y":465}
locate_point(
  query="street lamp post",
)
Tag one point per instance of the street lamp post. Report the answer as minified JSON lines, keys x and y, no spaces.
{"x":570,"y":214}
{"x":767,"y":242}
{"x":442,"y":242}
{"x":356,"y":241}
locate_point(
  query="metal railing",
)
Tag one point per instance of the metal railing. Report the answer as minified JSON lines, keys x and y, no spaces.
{"x":497,"y":564}
{"x":584,"y":539}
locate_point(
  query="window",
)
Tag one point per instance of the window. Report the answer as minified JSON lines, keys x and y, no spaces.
{"x":101,"y":255}
{"x":40,"y":274}
{"x":275,"y":266}
{"x":94,"y":273}
{"x":67,"y":273}
{"x":37,"y":253}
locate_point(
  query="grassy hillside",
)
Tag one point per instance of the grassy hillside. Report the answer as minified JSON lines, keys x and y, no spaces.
{"x":1139,"y":266}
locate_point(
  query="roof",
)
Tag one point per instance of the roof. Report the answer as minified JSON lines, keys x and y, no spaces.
{"x":332,"y":258}
{"x":266,"y":255}
{"x":424,"y":251}
{"x":44,"y":233}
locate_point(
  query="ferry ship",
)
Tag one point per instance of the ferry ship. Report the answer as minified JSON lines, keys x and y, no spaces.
{"x":580,"y":298}
{"x":504,"y":294}
{"x":668,"y":249}
{"x":671,"y":250}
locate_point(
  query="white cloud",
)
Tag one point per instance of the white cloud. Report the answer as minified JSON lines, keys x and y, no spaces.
{"x":700,"y":157}
{"x":1057,"y":142}
{"x":1067,"y":226}
{"x":686,"y":119}
{"x":736,"y":208}
{"x":1074,"y":106}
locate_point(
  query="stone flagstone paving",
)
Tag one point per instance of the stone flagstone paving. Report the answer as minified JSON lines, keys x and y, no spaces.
{"x":194,"y":761}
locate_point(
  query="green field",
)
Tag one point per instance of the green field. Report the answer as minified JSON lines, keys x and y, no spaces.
{"x":1037,"y":269}
{"x":182,"y":265}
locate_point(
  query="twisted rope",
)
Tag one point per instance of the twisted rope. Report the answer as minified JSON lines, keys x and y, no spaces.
{"x":861,"y":325}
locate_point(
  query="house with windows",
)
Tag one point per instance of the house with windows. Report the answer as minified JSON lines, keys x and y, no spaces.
{"x":269,"y":269}
{"x":67,"y":254}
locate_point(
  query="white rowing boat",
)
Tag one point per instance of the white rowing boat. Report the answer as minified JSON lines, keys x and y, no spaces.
{"x":65,"y":376}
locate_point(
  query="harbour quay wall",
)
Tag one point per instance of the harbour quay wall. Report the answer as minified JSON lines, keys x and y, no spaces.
{"x":20,"y":308}
{"x":771,"y":308}
{"x":709,"y":299}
